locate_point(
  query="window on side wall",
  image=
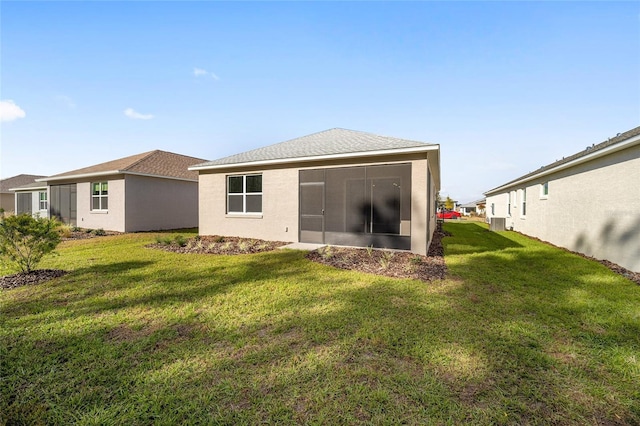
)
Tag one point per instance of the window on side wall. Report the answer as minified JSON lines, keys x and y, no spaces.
{"x":544,"y":190}
{"x":99,"y":196}
{"x":523,"y":200}
{"x":244,"y":194}
{"x":42,"y":197}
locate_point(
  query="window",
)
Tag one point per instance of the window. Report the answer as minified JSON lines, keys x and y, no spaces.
{"x":523,"y":198}
{"x":99,"y":196}
{"x":509,"y":205}
{"x":42,"y":196}
{"x":493,"y":209}
{"x":544,"y":190}
{"x":244,"y":194}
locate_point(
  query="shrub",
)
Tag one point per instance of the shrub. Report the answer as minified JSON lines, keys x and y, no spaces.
{"x":99,"y":232}
{"x":370,"y":250}
{"x":162,"y":239}
{"x":385,"y":260}
{"x":180,"y":240}
{"x":65,"y":230}
{"x":25,"y":239}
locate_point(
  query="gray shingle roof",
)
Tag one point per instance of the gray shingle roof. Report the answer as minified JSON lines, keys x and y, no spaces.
{"x":620,"y":137}
{"x":155,"y":163}
{"x":16,"y":181}
{"x":328,"y":142}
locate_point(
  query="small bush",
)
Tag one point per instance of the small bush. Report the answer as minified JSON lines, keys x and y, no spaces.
{"x":162,"y":239}
{"x":65,"y":230}
{"x":25,"y":239}
{"x":326,"y":252}
{"x":180,"y":240}
{"x":218,"y":239}
{"x":99,"y":232}
{"x":385,"y":260}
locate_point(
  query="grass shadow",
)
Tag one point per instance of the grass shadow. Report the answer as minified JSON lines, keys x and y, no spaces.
{"x":474,"y":237}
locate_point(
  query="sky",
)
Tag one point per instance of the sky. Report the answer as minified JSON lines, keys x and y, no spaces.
{"x":503,"y":87}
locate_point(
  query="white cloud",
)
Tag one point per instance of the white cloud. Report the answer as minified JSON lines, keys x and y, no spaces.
{"x":9,"y":111}
{"x":131,"y":113}
{"x":198,"y":72}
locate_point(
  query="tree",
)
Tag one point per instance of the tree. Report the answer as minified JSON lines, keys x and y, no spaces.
{"x":448,"y":204}
{"x":25,"y":239}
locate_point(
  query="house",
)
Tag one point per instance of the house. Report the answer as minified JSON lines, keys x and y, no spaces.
{"x":476,"y":207}
{"x":149,"y":191}
{"x":32,"y":198}
{"x":7,"y":194}
{"x":339,"y":187}
{"x":588,"y":202}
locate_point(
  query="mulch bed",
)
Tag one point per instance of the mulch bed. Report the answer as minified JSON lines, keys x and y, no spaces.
{"x":396,"y":264}
{"x":216,"y":245}
{"x":29,"y":278}
{"x":83,"y":234}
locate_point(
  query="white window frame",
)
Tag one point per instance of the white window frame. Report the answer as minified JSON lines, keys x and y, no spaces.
{"x":244,"y":195}
{"x":43,"y":204}
{"x":544,"y":190}
{"x":523,"y":203}
{"x":101,"y":196}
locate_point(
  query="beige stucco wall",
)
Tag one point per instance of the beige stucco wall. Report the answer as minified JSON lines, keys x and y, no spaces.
{"x":111,"y":220}
{"x":592,"y":208}
{"x":419,"y":207}
{"x":8,"y":202}
{"x":157,"y":203}
{"x":279,"y":218}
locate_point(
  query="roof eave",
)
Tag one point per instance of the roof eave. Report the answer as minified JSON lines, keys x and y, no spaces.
{"x":588,"y":157}
{"x":361,"y":154}
{"x":110,"y":173}
{"x":31,"y":188}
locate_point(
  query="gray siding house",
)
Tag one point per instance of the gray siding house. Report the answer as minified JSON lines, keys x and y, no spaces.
{"x":149,"y":191}
{"x":588,"y":202}
{"x":340,"y":187}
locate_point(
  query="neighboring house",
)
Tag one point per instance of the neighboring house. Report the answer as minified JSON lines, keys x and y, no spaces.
{"x":338,"y":187}
{"x":32,"y":198}
{"x":7,"y":194}
{"x":149,"y":191}
{"x":588,"y":202}
{"x":473,"y":207}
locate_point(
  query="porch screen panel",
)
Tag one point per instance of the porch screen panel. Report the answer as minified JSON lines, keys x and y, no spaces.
{"x":24,"y":203}
{"x":347,"y":207}
{"x":312,"y":206}
{"x":389,"y":189}
{"x":63,"y":203}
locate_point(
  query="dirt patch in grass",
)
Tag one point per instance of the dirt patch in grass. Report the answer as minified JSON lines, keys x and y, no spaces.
{"x":214,"y":245}
{"x":29,"y":278}
{"x":396,"y":264}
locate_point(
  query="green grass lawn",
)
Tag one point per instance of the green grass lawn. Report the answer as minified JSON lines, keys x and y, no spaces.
{"x":519,"y":333}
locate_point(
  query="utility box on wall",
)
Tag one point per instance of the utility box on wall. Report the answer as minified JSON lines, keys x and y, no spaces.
{"x":497,"y":224}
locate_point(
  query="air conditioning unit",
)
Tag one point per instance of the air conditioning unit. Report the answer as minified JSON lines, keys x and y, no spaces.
{"x":498,"y":224}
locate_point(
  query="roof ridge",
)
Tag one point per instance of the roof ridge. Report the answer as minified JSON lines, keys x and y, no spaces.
{"x":135,"y":163}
